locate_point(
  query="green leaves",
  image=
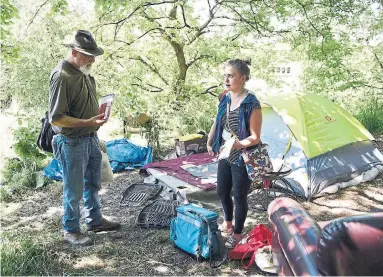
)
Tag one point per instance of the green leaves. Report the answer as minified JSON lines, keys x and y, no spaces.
{"x":25,"y":170}
{"x":160,"y":56}
{"x":9,"y":47}
{"x":60,"y":7}
{"x":8,"y":13}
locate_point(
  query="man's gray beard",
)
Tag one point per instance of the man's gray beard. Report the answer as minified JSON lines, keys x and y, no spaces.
{"x":86,"y":69}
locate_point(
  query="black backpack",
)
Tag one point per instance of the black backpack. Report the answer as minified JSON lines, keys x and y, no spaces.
{"x":44,"y":141}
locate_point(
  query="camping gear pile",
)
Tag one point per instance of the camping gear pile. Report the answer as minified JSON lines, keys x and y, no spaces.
{"x":193,"y":228}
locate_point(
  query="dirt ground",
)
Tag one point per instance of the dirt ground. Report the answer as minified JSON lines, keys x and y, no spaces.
{"x":137,"y":251}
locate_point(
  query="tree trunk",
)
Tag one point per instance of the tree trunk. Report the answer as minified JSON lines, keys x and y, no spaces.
{"x":182,"y":67}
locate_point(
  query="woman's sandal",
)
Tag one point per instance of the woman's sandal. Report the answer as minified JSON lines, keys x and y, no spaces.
{"x":225,"y":232}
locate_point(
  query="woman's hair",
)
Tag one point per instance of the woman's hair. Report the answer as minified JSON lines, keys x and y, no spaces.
{"x":241,"y":65}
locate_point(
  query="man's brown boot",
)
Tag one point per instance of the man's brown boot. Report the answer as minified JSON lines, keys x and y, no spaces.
{"x":77,"y":239}
{"x":105,"y":225}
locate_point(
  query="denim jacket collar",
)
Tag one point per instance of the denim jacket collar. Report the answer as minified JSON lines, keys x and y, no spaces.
{"x":245,"y":110}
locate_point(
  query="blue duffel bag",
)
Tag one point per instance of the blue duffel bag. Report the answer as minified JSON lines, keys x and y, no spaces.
{"x":195,"y":231}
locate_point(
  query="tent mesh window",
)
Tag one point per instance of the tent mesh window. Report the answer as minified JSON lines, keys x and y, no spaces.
{"x":137,"y":194}
{"x":157,"y":214}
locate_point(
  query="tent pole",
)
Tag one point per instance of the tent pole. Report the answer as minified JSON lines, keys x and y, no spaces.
{"x":308,"y":199}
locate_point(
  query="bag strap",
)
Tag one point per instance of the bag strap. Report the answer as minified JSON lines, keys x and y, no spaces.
{"x":228,"y":111}
{"x":208,"y":229}
{"x":231,"y":131}
{"x":252,"y":259}
{"x":222,"y":250}
{"x":89,"y":92}
{"x":265,"y":240}
{"x":227,"y":120}
{"x":209,"y":237}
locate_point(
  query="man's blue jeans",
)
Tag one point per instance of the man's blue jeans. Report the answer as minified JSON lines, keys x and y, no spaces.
{"x":80,"y":158}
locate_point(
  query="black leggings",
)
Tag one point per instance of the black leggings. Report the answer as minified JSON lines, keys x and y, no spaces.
{"x":231,"y":176}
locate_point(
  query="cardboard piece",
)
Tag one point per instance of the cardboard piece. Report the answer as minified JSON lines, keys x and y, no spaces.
{"x":194,"y":146}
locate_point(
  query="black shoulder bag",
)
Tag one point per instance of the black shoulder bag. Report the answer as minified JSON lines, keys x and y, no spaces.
{"x":44,"y":141}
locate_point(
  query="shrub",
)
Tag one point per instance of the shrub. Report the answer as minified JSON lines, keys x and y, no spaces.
{"x":371,"y":115}
{"x":25,"y":170}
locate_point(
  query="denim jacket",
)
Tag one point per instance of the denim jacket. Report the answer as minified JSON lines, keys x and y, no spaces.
{"x":245,"y":110}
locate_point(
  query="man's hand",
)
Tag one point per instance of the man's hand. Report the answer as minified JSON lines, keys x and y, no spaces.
{"x":72,"y":122}
{"x":96,"y":120}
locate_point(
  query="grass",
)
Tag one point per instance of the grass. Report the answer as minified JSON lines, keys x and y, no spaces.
{"x":131,"y":251}
{"x":371,"y":116}
{"x":25,"y":255}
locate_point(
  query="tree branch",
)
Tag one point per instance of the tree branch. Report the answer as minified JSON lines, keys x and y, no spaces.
{"x":196,"y":59}
{"x":153,"y":68}
{"x":308,"y":19}
{"x":138,"y":38}
{"x":159,"y":3}
{"x":200,"y":30}
{"x":208,"y":91}
{"x":361,"y":83}
{"x":375,"y":55}
{"x":184,"y":17}
{"x":157,"y":89}
{"x":142,"y":86}
{"x":34,"y":16}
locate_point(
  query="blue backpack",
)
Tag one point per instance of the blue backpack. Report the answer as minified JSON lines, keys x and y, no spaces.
{"x":195,"y":231}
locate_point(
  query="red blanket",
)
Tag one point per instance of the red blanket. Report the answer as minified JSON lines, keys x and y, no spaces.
{"x":173,"y":168}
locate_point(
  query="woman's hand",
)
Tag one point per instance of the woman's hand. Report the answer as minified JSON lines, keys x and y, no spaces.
{"x":221,"y":149}
{"x":237,"y":145}
{"x":210,"y":150}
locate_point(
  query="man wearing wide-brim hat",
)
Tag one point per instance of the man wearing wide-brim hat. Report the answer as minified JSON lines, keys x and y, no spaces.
{"x":74,"y":112}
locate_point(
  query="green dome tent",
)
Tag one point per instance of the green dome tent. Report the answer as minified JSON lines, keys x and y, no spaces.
{"x":324,"y":145}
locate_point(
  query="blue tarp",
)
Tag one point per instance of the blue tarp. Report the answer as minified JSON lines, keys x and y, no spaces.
{"x":123,"y":155}
{"x":54,"y":170}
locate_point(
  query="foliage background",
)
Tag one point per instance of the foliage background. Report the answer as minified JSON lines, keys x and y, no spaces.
{"x":165,"y":57}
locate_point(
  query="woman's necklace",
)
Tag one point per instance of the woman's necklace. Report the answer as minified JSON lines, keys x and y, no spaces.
{"x":236,"y":101}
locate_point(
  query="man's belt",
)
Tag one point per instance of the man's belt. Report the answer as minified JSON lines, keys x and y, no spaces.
{"x":89,"y":135}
